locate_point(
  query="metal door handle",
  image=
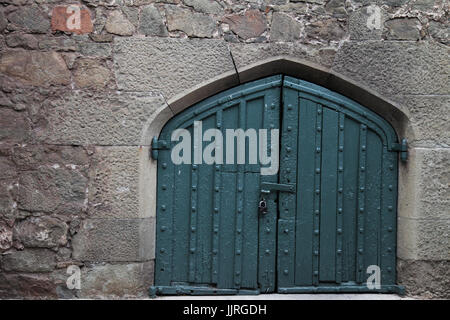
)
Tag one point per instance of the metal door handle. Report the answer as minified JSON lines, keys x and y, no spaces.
{"x":266,"y":187}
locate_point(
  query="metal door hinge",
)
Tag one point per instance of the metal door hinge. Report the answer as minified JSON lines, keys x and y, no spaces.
{"x":402,"y":148}
{"x":158,"y":145}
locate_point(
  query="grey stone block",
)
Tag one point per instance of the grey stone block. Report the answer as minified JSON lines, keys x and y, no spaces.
{"x":187,"y":63}
{"x":37,"y":260}
{"x":152,"y":23}
{"x":41,"y":232}
{"x":114,"y":182}
{"x":393,"y":68}
{"x":99,"y":118}
{"x":14,"y":126}
{"x":284,"y":28}
{"x":403,"y":29}
{"x":23,"y":286}
{"x":430,"y":119}
{"x":53,"y":189}
{"x":116,"y":280}
{"x":434,"y":182}
{"x":103,"y":240}
{"x":192,"y":23}
{"x":246,"y":54}
{"x":205,"y":6}
{"x":8,"y":196}
{"x":31,"y":18}
{"x":426,"y":279}
{"x":433,"y":239}
{"x":363,"y":26}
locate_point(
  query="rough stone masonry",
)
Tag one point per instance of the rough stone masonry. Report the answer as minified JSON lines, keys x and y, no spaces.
{"x":76,"y":92}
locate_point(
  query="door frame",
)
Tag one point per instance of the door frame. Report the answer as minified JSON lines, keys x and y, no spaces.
{"x":295,"y":67}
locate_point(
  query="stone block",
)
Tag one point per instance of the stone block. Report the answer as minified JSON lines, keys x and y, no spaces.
{"x":433,"y":239}
{"x":205,"y":6}
{"x":14,"y":126}
{"x":430,"y":119}
{"x":152,"y":23}
{"x":284,"y":28}
{"x":249,"y":25}
{"x":440,"y":31}
{"x":8,"y":197}
{"x":103,"y":240}
{"x":325,"y":30}
{"x":381,"y":66}
{"x":246,"y":54}
{"x":41,"y":232}
{"x":26,"y":41}
{"x":193,"y":24}
{"x":187,"y":63}
{"x":53,"y":189}
{"x":116,"y":280}
{"x":29,"y":286}
{"x":366,"y":24}
{"x":91,"y":73}
{"x":114,"y":182}
{"x":403,"y":29}
{"x":35,"y":68}
{"x":37,"y":260}
{"x":117,"y":23}
{"x":6,"y":236}
{"x":99,"y":118}
{"x":425,"y":279}
{"x":31,"y":157}
{"x":31,"y":18}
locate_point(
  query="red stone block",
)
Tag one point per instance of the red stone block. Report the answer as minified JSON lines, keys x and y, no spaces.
{"x":72,"y":19}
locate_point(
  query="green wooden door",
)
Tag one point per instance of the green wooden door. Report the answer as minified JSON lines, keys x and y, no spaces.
{"x":330,"y":208}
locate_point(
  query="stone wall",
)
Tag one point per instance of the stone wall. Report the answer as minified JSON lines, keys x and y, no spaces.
{"x":76,"y":101}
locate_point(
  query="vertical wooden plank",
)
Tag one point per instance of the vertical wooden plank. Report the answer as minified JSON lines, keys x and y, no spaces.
{"x":268,"y":222}
{"x":360,"y":272}
{"x":286,"y":241}
{"x":350,"y":206}
{"x":317,"y":188}
{"x":328,"y":196}
{"x":340,"y":202}
{"x":250,"y":231}
{"x":287,"y":201}
{"x":216,"y":211}
{"x":388,"y":227}
{"x":227,"y":230}
{"x":193,"y":219}
{"x":164,"y":213}
{"x":374,"y":151}
{"x":205,"y":198}
{"x":249,"y":256}
{"x":305,"y":192}
{"x":181,"y":221}
{"x":239,"y":206}
{"x":227,"y":221}
{"x":254,"y":120}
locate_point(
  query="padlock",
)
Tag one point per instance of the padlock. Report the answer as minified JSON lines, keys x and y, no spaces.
{"x":262,"y":207}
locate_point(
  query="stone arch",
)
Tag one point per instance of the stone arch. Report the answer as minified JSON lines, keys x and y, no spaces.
{"x":395,"y":114}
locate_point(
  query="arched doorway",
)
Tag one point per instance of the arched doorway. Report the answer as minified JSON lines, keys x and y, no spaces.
{"x":324,"y":221}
